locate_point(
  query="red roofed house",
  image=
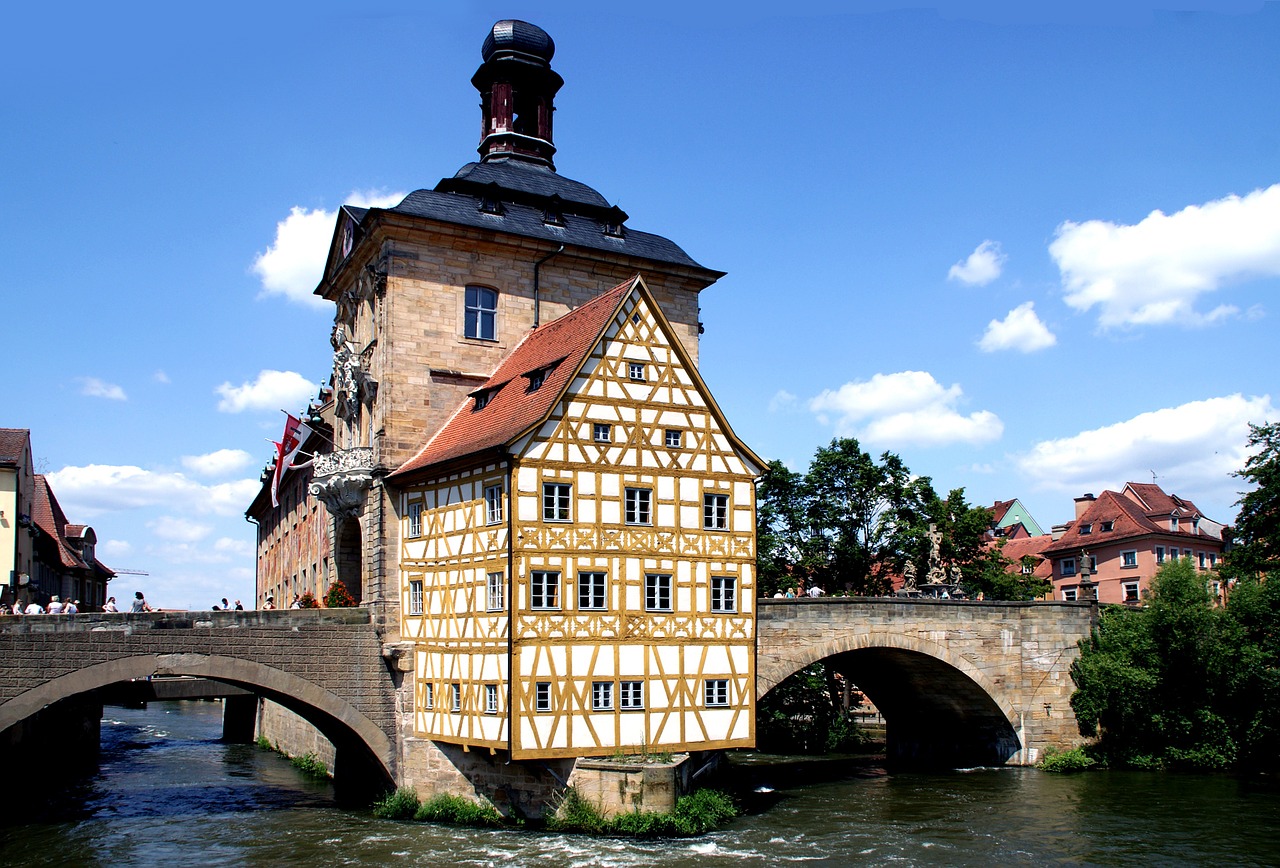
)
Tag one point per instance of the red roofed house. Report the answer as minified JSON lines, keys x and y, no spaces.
{"x":1009,"y":518}
{"x":578,"y":549}
{"x":1127,"y":536}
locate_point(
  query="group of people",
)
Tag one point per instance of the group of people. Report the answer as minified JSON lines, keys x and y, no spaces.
{"x":57,"y":606}
{"x":227,"y":607}
{"x":792,"y":593}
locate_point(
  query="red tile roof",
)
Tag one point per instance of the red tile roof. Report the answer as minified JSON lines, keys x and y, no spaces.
{"x":1016,"y":549}
{"x":998,"y":509}
{"x":48,"y":516}
{"x":1129,"y":518}
{"x":12,"y":443}
{"x":1155,"y":502}
{"x":513,"y":408}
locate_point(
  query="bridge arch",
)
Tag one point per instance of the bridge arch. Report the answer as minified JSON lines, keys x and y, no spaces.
{"x":940,"y":709}
{"x":363,"y":750}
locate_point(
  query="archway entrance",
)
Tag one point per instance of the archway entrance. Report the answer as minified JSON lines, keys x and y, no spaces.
{"x":349,"y":558}
{"x":935,"y":715}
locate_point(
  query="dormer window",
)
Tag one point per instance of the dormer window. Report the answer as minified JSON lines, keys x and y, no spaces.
{"x":1108,"y":526}
{"x":1173,"y":522}
{"x":538,"y":376}
{"x":1086,"y":529}
{"x":483,"y":397}
{"x":554,"y":213}
{"x":491,"y":200}
{"x":613,"y":221}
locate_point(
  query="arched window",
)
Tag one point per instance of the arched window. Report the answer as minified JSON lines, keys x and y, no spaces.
{"x":482,"y":313}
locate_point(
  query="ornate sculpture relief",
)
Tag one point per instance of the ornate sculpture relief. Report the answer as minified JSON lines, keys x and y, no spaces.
{"x":340,"y":479}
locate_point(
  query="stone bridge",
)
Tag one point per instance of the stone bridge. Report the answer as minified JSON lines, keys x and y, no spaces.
{"x":325,"y":665}
{"x":959,"y":683}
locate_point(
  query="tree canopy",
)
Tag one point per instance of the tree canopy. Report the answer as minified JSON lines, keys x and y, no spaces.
{"x":1255,"y":539}
{"x":852,"y":522}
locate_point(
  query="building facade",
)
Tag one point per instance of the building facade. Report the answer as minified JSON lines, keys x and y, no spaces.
{"x":579,"y":548}
{"x":1122,"y":538}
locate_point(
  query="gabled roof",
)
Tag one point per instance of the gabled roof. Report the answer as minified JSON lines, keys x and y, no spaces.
{"x":47,"y":513}
{"x":512,"y":409}
{"x":999,"y":508}
{"x":558,"y":350}
{"x":1017,"y":549}
{"x":1128,"y":520}
{"x":13,"y":442}
{"x":1155,"y":502}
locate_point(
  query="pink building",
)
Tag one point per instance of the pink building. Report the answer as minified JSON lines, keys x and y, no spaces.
{"x":1126,"y":537}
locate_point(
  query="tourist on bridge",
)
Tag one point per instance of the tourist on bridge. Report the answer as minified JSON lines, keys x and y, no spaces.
{"x":55,"y":605}
{"x":239,"y":606}
{"x":297,"y":602}
{"x":270,"y":602}
{"x":35,"y":608}
{"x":139,"y":603}
{"x":110,"y":605}
{"x":72,"y":607}
{"x":815,"y":591}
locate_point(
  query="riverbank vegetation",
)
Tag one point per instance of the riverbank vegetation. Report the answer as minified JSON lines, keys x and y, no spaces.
{"x":694,"y":814}
{"x":1181,"y":683}
{"x":811,"y":712}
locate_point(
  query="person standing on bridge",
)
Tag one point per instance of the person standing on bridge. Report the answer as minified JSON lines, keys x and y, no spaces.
{"x":71,"y":608}
{"x":55,"y":605}
{"x":110,"y":605}
{"x":139,"y":603}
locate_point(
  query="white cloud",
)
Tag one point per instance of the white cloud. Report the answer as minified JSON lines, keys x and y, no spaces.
{"x":294,"y":263}
{"x":1193,"y":448}
{"x":782,"y":401}
{"x":181,"y":530}
{"x":160,"y":377}
{"x":983,"y":265}
{"x":273,"y":390}
{"x":906,"y":407}
{"x":218,"y":463}
{"x":240,"y":548}
{"x":115,"y":548}
{"x":100,"y":488}
{"x":1021,"y":330}
{"x":1154,"y":271}
{"x":95,"y":388}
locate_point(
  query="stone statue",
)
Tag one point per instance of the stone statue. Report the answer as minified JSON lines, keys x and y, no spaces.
{"x":935,"y":545}
{"x":347,"y":369}
{"x":1084,"y":569}
{"x":955,"y":574}
{"x":909,"y":577}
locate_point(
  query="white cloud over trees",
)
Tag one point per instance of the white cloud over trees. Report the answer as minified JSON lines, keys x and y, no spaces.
{"x":981,"y":267}
{"x":1021,"y":330}
{"x":1193,"y":449}
{"x":1155,"y":271}
{"x":905,"y":408}
{"x":293,"y":264}
{"x":272,"y":390}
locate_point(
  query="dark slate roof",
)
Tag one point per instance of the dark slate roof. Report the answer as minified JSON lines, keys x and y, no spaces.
{"x":525,"y":190}
{"x":519,"y":176}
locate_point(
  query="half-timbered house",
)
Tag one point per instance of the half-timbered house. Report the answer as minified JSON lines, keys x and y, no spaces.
{"x":578,"y":549}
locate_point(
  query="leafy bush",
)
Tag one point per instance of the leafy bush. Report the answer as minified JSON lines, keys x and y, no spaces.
{"x":694,"y":814}
{"x":457,"y":811}
{"x":265,"y":743}
{"x":309,"y":764}
{"x":338,"y":597}
{"x":1066,"y":761}
{"x":401,"y":805}
{"x":308,"y":601}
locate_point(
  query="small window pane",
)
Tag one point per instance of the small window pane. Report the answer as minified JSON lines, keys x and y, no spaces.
{"x":635,"y":371}
{"x":674,"y":438}
{"x":723,"y":597}
{"x":556,"y":501}
{"x":638,"y":506}
{"x":657,"y":592}
{"x":493,"y":504}
{"x":631,"y":695}
{"x":542,"y":696}
{"x":715,"y":511}
{"x":716,"y":691}
{"x":591,"y":590}
{"x":415,"y":597}
{"x":415,"y":519}
{"x":482,"y":312}
{"x":497,"y":587}
{"x":602,"y":432}
{"x":491,"y":699}
{"x":601,"y":695}
{"x":544,"y":590}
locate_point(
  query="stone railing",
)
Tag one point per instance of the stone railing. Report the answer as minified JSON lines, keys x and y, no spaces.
{"x":340,"y":479}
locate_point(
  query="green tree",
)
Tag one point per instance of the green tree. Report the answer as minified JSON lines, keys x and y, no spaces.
{"x":785,"y":549}
{"x":1255,"y":549}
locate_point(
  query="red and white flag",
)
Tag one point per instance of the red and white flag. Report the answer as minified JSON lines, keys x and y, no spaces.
{"x":296,"y":433}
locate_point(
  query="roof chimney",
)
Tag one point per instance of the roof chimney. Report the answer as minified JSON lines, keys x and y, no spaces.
{"x":1083,"y":502}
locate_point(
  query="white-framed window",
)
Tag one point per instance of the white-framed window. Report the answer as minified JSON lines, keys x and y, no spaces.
{"x":1069,"y":594}
{"x":544,"y":589}
{"x":1093,"y":564}
{"x":602,"y":696}
{"x":715,"y":692}
{"x":491,"y":699}
{"x":482,"y":313}
{"x":415,"y":596}
{"x":1026,"y":569}
{"x":428,"y":696}
{"x":415,"y":519}
{"x":1159,"y":554}
{"x":602,"y":432}
{"x":591,"y":590}
{"x":557,"y":501}
{"x":724,"y":597}
{"x":635,"y":371}
{"x":1108,"y":526}
{"x":715,"y":511}
{"x":674,"y":438}
{"x":1067,"y":567}
{"x":496,"y":591}
{"x":1129,"y":558}
{"x":657,"y":592}
{"x":542,"y":696}
{"x":1213,"y":560}
{"x":1130,"y":590}
{"x":493,"y":504}
{"x":639,"y":506}
{"x":631,"y":695}
{"x":1201,"y":559}
{"x":1086,"y":529}
{"x":1173,"y":522}
{"x":455,"y":693}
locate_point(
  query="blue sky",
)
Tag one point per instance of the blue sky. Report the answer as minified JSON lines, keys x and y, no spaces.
{"x":1034,"y":251}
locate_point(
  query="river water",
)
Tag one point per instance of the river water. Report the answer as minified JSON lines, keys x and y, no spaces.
{"x":168,"y":793}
